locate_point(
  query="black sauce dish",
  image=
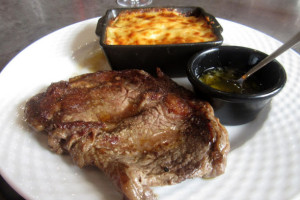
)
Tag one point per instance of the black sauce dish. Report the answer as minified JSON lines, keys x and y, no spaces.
{"x":234,"y":108}
{"x":171,"y":58}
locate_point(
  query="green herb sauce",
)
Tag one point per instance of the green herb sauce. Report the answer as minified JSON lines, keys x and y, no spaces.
{"x":223,"y":79}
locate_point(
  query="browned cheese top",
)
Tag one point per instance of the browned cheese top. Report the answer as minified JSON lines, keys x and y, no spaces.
{"x":158,"y":26}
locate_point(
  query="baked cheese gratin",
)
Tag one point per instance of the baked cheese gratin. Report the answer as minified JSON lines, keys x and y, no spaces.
{"x":157,"y":26}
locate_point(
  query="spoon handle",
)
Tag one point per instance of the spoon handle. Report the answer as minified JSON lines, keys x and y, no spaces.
{"x":294,"y":40}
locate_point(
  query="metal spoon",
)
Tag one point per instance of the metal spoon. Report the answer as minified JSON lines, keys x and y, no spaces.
{"x":294,"y":40}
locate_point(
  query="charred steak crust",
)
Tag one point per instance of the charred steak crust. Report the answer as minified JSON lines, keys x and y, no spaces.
{"x":141,"y":130}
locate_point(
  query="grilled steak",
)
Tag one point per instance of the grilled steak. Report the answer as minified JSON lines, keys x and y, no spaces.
{"x":141,"y":130}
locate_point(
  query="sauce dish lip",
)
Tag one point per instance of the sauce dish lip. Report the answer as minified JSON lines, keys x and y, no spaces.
{"x":193,"y":75}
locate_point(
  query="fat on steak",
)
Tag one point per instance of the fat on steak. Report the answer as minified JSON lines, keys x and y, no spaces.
{"x":142,"y":131}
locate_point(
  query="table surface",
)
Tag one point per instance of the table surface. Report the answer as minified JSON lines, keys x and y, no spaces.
{"x":23,"y":22}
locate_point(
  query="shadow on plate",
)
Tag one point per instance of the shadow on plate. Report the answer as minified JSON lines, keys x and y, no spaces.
{"x":239,"y":135}
{"x":87,"y":52}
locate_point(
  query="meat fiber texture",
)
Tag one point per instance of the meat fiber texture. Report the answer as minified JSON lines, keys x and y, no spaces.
{"x":142,"y":131}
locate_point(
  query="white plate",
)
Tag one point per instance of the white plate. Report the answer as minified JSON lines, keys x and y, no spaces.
{"x":264,"y":162}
